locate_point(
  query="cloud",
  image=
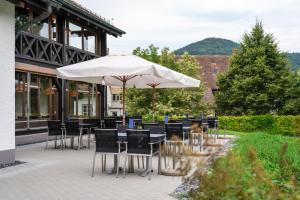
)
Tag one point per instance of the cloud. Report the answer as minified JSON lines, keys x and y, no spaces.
{"x":176,"y":23}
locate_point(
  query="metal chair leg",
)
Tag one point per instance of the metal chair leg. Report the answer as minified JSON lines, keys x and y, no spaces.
{"x":118,"y":161}
{"x":55,"y":142}
{"x":104,"y":162}
{"x":47,"y":142}
{"x":124,"y":169}
{"x":150,"y":167}
{"x":102,"y":168}
{"x":138,"y":161}
{"x":94,"y":164}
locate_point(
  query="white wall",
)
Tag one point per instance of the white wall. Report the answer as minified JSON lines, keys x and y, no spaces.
{"x":7,"y":76}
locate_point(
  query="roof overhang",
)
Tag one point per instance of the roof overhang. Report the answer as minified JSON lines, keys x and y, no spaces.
{"x":81,"y":12}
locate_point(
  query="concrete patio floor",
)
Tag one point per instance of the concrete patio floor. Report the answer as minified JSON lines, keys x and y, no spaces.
{"x":57,"y":174}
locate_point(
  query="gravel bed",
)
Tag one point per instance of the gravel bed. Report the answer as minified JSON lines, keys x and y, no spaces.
{"x":191,"y":184}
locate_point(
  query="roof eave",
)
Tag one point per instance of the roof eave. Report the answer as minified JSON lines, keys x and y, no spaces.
{"x":110,"y":29}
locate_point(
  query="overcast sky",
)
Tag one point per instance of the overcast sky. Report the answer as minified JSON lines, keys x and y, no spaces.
{"x":176,"y":23}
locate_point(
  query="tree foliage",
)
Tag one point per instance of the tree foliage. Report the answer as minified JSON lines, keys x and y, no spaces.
{"x":171,"y":101}
{"x":292,"y":105}
{"x":258,"y":80}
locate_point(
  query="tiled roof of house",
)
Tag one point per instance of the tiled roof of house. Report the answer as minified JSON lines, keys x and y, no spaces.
{"x":211,"y":66}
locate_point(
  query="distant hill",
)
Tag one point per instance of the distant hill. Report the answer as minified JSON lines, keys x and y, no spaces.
{"x":209,"y":46}
{"x":294,"y":59}
{"x":219,"y":46}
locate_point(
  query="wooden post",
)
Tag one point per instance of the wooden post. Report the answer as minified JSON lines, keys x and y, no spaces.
{"x":123,"y":98}
{"x":153,"y":101}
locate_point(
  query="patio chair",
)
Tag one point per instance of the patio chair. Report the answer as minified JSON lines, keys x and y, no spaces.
{"x":157,"y":130}
{"x":149,"y":124}
{"x":107,"y":143}
{"x":213,"y":128}
{"x":73,"y":129}
{"x":174,"y":130}
{"x":138,"y":144}
{"x":55,"y":129}
{"x":174,"y":140}
{"x":122,"y":128}
{"x":110,"y":123}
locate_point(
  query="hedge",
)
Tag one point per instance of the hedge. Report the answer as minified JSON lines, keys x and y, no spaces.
{"x":274,"y":124}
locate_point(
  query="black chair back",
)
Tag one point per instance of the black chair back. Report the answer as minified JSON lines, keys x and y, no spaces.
{"x":54,"y":127}
{"x":94,"y":122}
{"x":122,"y":128}
{"x":161,"y":123}
{"x":72,"y":128}
{"x":149,"y":124}
{"x":106,"y":140}
{"x":155,"y":129}
{"x":186,"y":123}
{"x":174,"y":129}
{"x":138,"y":141}
{"x":212,"y":123}
{"x":110,"y":123}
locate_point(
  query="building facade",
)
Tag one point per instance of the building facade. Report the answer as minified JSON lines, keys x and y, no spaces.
{"x":48,"y":34}
{"x":7,"y":63}
{"x":114,"y":101}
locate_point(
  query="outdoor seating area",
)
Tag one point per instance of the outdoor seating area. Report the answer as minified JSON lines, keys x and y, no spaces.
{"x":136,"y":141}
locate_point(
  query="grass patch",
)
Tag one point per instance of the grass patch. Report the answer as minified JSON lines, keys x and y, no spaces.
{"x":267,"y":147}
{"x":260,"y":166}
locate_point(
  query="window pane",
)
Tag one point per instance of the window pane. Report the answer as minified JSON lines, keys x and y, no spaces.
{"x":33,"y":103}
{"x":75,"y":38}
{"x":45,"y":94}
{"x":93,"y":101}
{"x":72,"y":99}
{"x":34,"y":79}
{"x":22,"y":18}
{"x":89,"y":41}
{"x":20,"y":95}
{"x":83,"y":99}
{"x":41,"y":28}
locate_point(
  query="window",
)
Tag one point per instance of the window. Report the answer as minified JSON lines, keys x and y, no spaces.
{"x":43,"y":97}
{"x":21,"y":96}
{"x":83,"y":100}
{"x":116,"y":97}
{"x":89,"y":41}
{"x":85,"y":109}
{"x":22,"y":18}
{"x":75,"y":35}
{"x":81,"y":38}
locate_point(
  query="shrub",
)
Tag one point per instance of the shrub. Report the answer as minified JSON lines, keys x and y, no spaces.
{"x":239,"y":176}
{"x":285,"y":125}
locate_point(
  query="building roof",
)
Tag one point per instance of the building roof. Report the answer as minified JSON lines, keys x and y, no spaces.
{"x":75,"y":8}
{"x":92,"y":17}
{"x":211,"y":66}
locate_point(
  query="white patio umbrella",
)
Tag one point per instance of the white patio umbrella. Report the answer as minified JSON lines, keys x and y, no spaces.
{"x":126,"y":71}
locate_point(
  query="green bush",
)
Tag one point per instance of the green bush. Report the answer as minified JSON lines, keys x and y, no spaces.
{"x":284,"y":125}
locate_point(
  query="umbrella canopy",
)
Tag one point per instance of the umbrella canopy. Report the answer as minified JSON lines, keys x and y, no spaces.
{"x":104,"y":70}
{"x":126,"y":71}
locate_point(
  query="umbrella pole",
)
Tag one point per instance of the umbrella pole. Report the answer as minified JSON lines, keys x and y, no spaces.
{"x":124,"y":85}
{"x":153,"y":102}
